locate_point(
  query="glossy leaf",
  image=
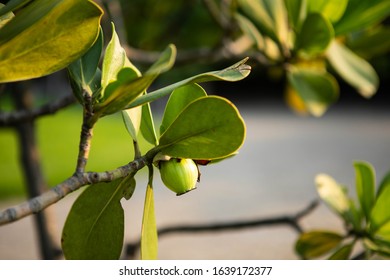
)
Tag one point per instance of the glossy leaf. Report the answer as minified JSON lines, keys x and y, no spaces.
{"x":12,"y":5}
{"x":331,"y":9}
{"x":362,"y":14}
{"x":353,"y":69}
{"x":233,"y":73}
{"x":208,"y":128}
{"x":332,"y":194}
{"x":127,"y":88}
{"x":297,"y":11}
{"x":365,"y":186}
{"x":315,"y":244}
{"x":149,"y":239}
{"x":380,"y":213}
{"x":147,"y":125}
{"x":94,"y":227}
{"x":47,"y":36}
{"x":178,"y":100}
{"x":317,"y":89}
{"x":315,"y":35}
{"x":342,"y":253}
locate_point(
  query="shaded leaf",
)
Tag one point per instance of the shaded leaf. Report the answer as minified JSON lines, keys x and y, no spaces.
{"x":317,"y":89}
{"x":331,"y":9}
{"x":315,"y":35}
{"x":208,"y":128}
{"x":361,"y":14}
{"x":178,"y":100}
{"x":332,"y":194}
{"x":236,"y":72}
{"x":47,"y":36}
{"x":342,"y":253}
{"x":12,"y":5}
{"x":315,"y":244}
{"x":380,"y":214}
{"x":149,"y":239}
{"x":94,"y":227}
{"x":5,"y":17}
{"x":297,"y":11}
{"x":353,"y":69}
{"x":147,"y":125}
{"x":132,"y":119}
{"x":365,"y":186}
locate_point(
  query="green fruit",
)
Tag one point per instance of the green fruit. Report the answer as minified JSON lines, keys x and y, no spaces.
{"x":179,"y":175}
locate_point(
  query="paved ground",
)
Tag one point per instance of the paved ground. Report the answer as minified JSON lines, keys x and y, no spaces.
{"x":272,"y":175}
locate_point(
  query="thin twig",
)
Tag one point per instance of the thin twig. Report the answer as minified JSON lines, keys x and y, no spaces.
{"x":284,"y":220}
{"x":71,"y":184}
{"x":16,"y":117}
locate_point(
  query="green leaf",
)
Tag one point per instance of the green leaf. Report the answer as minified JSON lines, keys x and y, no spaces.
{"x":114,"y":59}
{"x":353,"y":69}
{"x":277,"y":11}
{"x":5,"y":17}
{"x":147,"y":125}
{"x":149,"y":239}
{"x":251,"y":31}
{"x":47,"y":36}
{"x":233,"y":73}
{"x":331,"y":9}
{"x":132,"y":119}
{"x":127,"y":88}
{"x":362,"y":14}
{"x":178,"y":100}
{"x":365,"y":186}
{"x":317,"y":89}
{"x":315,"y":244}
{"x":342,"y":253}
{"x":83,"y":71}
{"x":208,"y":128}
{"x":380,"y":213}
{"x":94,"y":227}
{"x":297,"y":11}
{"x":332,"y":194}
{"x":315,"y":35}
{"x":12,"y":5}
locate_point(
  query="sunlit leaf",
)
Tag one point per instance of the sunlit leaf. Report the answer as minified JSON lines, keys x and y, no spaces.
{"x":331,"y":9}
{"x":47,"y":36}
{"x":178,"y":100}
{"x":236,"y":72}
{"x":353,"y":69}
{"x":132,"y":119}
{"x":332,"y":194}
{"x":126,"y":88}
{"x":315,"y":35}
{"x":315,"y":244}
{"x":362,"y":14}
{"x":94,"y":227}
{"x":149,"y":238}
{"x":365,"y":186}
{"x":317,"y":89}
{"x":380,"y":213}
{"x":208,"y":128}
{"x":251,"y":31}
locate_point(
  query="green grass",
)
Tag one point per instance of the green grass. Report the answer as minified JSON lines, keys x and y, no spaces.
{"x":58,"y":138}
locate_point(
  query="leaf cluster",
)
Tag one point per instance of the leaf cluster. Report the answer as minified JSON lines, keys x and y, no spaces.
{"x":367,"y":219}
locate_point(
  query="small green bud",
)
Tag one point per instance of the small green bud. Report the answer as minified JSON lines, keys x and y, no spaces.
{"x":179,"y":175}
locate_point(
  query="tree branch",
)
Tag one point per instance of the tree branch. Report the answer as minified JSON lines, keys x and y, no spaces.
{"x":286,"y":220}
{"x":71,"y":184}
{"x":17,"y":117}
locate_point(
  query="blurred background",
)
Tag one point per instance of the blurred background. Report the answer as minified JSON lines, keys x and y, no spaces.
{"x":272,"y":176}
